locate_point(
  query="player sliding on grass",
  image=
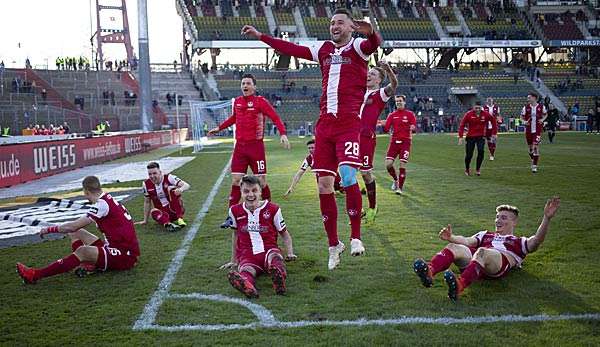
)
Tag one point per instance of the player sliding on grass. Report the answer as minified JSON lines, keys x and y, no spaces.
{"x":485,"y":255}
{"x":119,"y":251}
{"x":375,"y":100}
{"x":344,"y":64}
{"x":164,"y":193}
{"x":249,"y":116}
{"x":254,"y":247}
{"x":403,"y":123}
{"x":306,"y":164}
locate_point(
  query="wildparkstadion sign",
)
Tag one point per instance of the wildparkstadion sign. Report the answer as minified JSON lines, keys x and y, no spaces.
{"x":573,"y":43}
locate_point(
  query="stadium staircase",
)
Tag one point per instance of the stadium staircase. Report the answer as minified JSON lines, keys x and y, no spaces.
{"x":436,"y":23}
{"x":463,"y":23}
{"x":299,"y":22}
{"x":544,"y":91}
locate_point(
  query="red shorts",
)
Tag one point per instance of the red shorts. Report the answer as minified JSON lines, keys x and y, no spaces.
{"x":249,"y":154}
{"x":260,"y":261}
{"x":336,"y":143}
{"x":533,"y":139}
{"x":174,"y":209}
{"x":367,"y":151}
{"x":110,"y":258}
{"x":399,"y":148}
{"x":504,"y":268}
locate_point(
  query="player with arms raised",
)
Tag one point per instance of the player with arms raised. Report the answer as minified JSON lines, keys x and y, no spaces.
{"x":254,"y":242}
{"x":403,"y":123}
{"x":344,"y":66}
{"x":486,"y":254}
{"x":376,"y":98}
{"x":119,"y":251}
{"x":249,"y":111}
{"x":533,"y":116}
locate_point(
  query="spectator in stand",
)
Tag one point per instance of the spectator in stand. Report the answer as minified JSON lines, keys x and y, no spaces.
{"x":590,"y":122}
{"x":66,"y":128}
{"x":44,"y":94}
{"x":112,"y":98}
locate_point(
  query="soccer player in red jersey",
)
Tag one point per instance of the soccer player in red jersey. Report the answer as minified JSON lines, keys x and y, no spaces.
{"x":249,"y":111}
{"x":493,"y":109}
{"x":119,"y":251}
{"x":533,"y":116}
{"x":403,"y":123}
{"x":163,"y":191}
{"x":477,"y":121}
{"x":254,"y":251}
{"x":307,"y":163}
{"x":485,"y":255}
{"x":376,"y":98}
{"x":344,"y":66}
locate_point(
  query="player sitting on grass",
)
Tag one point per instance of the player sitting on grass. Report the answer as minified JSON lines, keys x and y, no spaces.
{"x":163,"y":191}
{"x":120,"y":251}
{"x":254,"y":242}
{"x":485,"y":255}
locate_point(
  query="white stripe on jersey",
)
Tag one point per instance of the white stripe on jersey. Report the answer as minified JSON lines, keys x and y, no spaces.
{"x":533,"y":119}
{"x":258,"y":245}
{"x":333,"y":82}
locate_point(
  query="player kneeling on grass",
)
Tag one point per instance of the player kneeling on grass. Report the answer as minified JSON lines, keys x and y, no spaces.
{"x":120,"y":251}
{"x":486,"y":254}
{"x":254,"y":242}
{"x":164,"y":192}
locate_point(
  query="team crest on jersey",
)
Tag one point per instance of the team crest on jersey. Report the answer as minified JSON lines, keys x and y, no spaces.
{"x":266,"y":215}
{"x":250,"y":104}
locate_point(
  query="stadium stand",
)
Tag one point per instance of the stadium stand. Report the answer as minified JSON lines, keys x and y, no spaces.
{"x":559,"y":26}
{"x":214,"y":28}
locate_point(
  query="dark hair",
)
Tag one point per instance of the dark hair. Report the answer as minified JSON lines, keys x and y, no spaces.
{"x":343,"y":11}
{"x":401,"y":96}
{"x":532,"y":93}
{"x":310,"y":142}
{"x":477,"y":103}
{"x":92,"y":184}
{"x":508,"y":208}
{"x":152,"y":165}
{"x":251,"y":180}
{"x":249,"y":75}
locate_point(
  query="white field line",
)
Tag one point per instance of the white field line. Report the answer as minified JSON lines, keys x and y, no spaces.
{"x":151,"y":309}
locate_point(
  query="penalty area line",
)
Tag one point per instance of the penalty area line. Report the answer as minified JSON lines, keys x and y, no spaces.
{"x":148,"y":315}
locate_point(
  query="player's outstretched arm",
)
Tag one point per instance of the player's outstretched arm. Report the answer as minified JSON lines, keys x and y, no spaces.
{"x":285,"y":142}
{"x":534,"y":242}
{"x":282,"y":46}
{"x":446,"y":235}
{"x":66,"y":228}
{"x":213,"y":131}
{"x":289,"y":247}
{"x":147,"y":208}
{"x":297,"y":176}
{"x":373,"y":40}
{"x":390,"y":89}
{"x":181,"y":187}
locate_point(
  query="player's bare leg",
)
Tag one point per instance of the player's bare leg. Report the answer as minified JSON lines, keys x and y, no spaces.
{"x":536,"y":158}
{"x":80,"y":238}
{"x":486,"y":261}
{"x":234,"y":197}
{"x":278,"y":272}
{"x":243,"y":280}
{"x":369,"y":180}
{"x":330,"y":214}
{"x":460,"y":255}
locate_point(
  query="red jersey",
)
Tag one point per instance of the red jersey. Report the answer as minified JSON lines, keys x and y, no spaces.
{"x":256,"y":231}
{"x":249,"y":118}
{"x":477,"y":124}
{"x":344,"y":70}
{"x":507,"y":244}
{"x":115,"y":223}
{"x":308,"y":162}
{"x":159,"y":193}
{"x":534,"y":115}
{"x":370,"y":110}
{"x":400,"y":121}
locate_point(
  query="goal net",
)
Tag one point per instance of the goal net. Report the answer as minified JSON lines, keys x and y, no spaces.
{"x":205,"y":116}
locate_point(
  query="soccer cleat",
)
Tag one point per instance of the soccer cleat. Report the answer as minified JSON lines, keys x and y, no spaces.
{"x":180,"y":222}
{"x":356,"y":247}
{"x":27,"y":274}
{"x":454,"y":285}
{"x":363,"y":191}
{"x":534,"y":168}
{"x":170,"y":227}
{"x":394,"y":186}
{"x":467,"y":172}
{"x":424,"y":272}
{"x":334,"y":255}
{"x":85,"y":269}
{"x":278,"y":278}
{"x":371,"y":214}
{"x":398,"y":191}
{"x":491,"y":158}
{"x":243,"y":285}
{"x":478,"y":172}
{"x":227,"y":223}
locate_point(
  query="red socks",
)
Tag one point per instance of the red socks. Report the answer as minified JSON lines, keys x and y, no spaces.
{"x":278,"y":263}
{"x":266,"y":193}
{"x":235,"y":195}
{"x":401,"y":178}
{"x":531,"y":155}
{"x":492,"y":148}
{"x":160,"y":217}
{"x":371,"y":193}
{"x":353,"y":208}
{"x":65,"y":264}
{"x":330,"y":214}
{"x":441,"y":261}
{"x":247,"y":276}
{"x":392,"y":173}
{"x":473,"y":272}
{"x":536,"y":158}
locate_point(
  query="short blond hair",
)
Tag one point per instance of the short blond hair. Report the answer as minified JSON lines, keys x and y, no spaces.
{"x":92,"y":184}
{"x":508,"y":208}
